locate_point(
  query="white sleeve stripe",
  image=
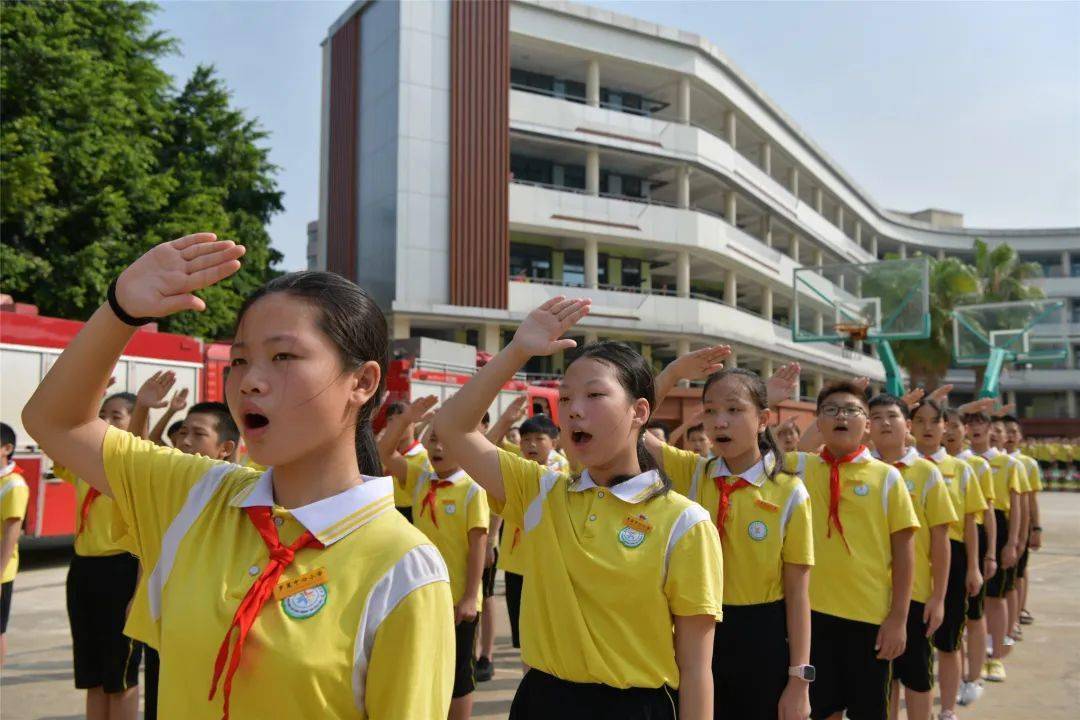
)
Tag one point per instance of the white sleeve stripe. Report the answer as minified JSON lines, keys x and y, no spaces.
{"x":800,"y":467}
{"x":690,"y":517}
{"x":535,"y":512}
{"x":419,"y":567}
{"x":198,"y":498}
{"x":935,"y":478}
{"x":11,"y":485}
{"x":699,"y":469}
{"x":798,"y":496}
{"x":891,"y":479}
{"x":471,"y":493}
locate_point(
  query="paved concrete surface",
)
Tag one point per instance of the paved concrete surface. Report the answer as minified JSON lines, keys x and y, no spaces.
{"x":1043,"y":671}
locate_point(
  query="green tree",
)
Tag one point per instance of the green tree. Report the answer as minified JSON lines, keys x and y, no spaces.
{"x":101,"y":160}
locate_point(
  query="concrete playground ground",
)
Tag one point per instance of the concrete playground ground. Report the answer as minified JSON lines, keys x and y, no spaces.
{"x":1043,"y":670}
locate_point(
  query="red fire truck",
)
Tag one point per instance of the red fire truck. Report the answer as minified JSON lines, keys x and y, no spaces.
{"x":30,"y":344}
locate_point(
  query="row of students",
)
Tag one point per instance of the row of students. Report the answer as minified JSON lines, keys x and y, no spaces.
{"x":14,"y":497}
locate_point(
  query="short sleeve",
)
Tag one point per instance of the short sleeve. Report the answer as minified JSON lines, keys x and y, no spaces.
{"x":1022,"y":471}
{"x":680,"y":466}
{"x":974,"y":502}
{"x":416,"y":640}
{"x":901,"y":510}
{"x":150,"y":484}
{"x":695,"y":576}
{"x":521,"y":483}
{"x":937,"y":503}
{"x":412,"y":476}
{"x":986,"y":480}
{"x":14,"y":501}
{"x":511,"y":447}
{"x":1013,"y":480}
{"x":795,"y":463}
{"x":478,"y":514}
{"x":798,"y":546}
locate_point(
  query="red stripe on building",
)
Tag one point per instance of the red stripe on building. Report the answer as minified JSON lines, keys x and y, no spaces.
{"x":479,"y":153}
{"x":343,"y":181}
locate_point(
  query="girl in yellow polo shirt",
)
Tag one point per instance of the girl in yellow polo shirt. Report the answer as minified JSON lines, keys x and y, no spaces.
{"x":298,"y":592}
{"x":624,"y":583}
{"x":761,"y":652}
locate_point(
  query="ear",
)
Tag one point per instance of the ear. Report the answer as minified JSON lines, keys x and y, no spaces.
{"x":365,"y":383}
{"x":764,"y":420}
{"x":226,"y":450}
{"x":641,"y":413}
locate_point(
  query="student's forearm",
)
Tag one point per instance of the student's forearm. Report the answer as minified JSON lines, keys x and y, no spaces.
{"x":494,"y":527}
{"x":693,"y":655}
{"x":391,"y":436}
{"x":474,"y":572}
{"x":140,"y":420}
{"x":696,"y":694}
{"x":678,"y":433}
{"x":497,"y":432}
{"x":1033,"y":510}
{"x":1015,"y":511}
{"x":810,"y":440}
{"x":940,"y":560}
{"x":9,"y":540}
{"x":990,"y":526}
{"x":664,"y":383}
{"x":1025,"y":519}
{"x":797,"y":609}
{"x":158,"y":432}
{"x":971,"y":541}
{"x":463,"y":411}
{"x":903,"y":571}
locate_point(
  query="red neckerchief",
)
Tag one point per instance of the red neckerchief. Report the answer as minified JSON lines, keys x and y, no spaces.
{"x":725,"y":491}
{"x":257,"y":595}
{"x":834,"y":490}
{"x":429,"y":499}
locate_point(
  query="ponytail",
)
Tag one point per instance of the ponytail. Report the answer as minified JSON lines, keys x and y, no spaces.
{"x":367,"y":451}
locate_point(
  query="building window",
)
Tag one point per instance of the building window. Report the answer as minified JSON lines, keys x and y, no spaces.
{"x":530,"y":261}
{"x":631,"y":273}
{"x":574,"y":268}
{"x":529,"y":169}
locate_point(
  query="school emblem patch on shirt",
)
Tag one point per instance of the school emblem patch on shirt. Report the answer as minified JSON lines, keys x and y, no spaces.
{"x":757,"y":530}
{"x":910,"y":485}
{"x":634,"y":531}
{"x":450,"y":507}
{"x":305,"y":603}
{"x":862,"y":490}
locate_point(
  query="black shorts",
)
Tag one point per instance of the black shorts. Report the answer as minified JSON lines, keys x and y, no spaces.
{"x":542,"y":697}
{"x":750,"y":661}
{"x":915,"y":668}
{"x":947,"y":637}
{"x":464,"y":657}
{"x":487,"y":584}
{"x":513,"y":604}
{"x":1004,"y":580}
{"x":98,"y":592}
{"x":977,"y":602}
{"x":849,"y":675}
{"x":6,"y":591}
{"x":1021,"y":564}
{"x":405,"y":510}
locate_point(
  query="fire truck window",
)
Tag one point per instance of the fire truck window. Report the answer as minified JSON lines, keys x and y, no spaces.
{"x":541,"y":407}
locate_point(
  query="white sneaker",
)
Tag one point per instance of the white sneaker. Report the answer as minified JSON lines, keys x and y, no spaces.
{"x":947,"y":715}
{"x":1008,"y":641}
{"x":969,"y":693}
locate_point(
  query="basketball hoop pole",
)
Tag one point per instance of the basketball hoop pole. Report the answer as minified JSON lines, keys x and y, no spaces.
{"x":894,"y":382}
{"x":992,"y":377}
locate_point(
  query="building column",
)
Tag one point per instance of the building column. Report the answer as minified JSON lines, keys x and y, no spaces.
{"x":903,"y":251}
{"x":592,"y":171}
{"x":682,"y":180}
{"x":794,"y":250}
{"x":766,"y":367}
{"x":766,"y":229}
{"x":732,"y":360}
{"x":858,"y":234}
{"x":731,"y":128}
{"x":731,"y":214}
{"x":1070,"y":403}
{"x":682,"y":274}
{"x":591,"y":337}
{"x":1066,"y":264}
{"x":840,"y":217}
{"x":767,"y":303}
{"x":819,"y":383}
{"x":682,"y":347}
{"x":941,"y":253}
{"x":793,"y":181}
{"x":819,"y":256}
{"x":1010,"y":398}
{"x":819,"y":201}
{"x":402,"y":327}
{"x":684,"y":100}
{"x":646,"y":352}
{"x":873,"y":246}
{"x":819,"y":323}
{"x":731,"y":289}
{"x":592,"y":263}
{"x":766,"y":157}
{"x":592,"y":84}
{"x":491,"y":338}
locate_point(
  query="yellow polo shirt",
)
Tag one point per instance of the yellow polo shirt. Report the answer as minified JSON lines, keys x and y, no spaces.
{"x":768,"y":524}
{"x":983,"y":474}
{"x":964,"y":490}
{"x":103,"y":534}
{"x":933,"y":507}
{"x":608,"y":568}
{"x":1031,"y":467}
{"x":1006,"y":477}
{"x":351,"y":646}
{"x":510,"y":553}
{"x":14,"y":496}
{"x":855,"y":581}
{"x":459,"y":509}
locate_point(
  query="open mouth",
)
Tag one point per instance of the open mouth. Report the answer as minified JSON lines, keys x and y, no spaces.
{"x":580,"y":437}
{"x":722,"y":439}
{"x":255,"y":421}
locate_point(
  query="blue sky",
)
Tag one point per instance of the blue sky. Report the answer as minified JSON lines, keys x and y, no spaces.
{"x":973,"y":107}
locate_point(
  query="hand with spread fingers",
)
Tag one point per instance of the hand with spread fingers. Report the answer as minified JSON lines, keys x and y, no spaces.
{"x":541,"y":333}
{"x":783,"y":384}
{"x":153,"y":391}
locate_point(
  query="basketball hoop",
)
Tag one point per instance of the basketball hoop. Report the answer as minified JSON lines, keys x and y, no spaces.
{"x":855,"y":331}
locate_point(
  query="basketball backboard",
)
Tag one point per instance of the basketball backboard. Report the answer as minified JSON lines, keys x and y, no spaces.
{"x":887,"y":300}
{"x":1026,"y":331}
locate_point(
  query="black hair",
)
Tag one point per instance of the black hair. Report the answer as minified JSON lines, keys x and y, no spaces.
{"x":1009,"y":419}
{"x":950,"y":414}
{"x":657,"y":425}
{"x":887,"y":400}
{"x":175,"y":427}
{"x":840,"y":386}
{"x":226,"y":426}
{"x":699,"y":428}
{"x":126,"y":397}
{"x":487,"y":418}
{"x":759,"y":395}
{"x":395,"y":408}
{"x":354,"y":323}
{"x":540,"y":425}
{"x":7,"y":435}
{"x":976,"y":417}
{"x":636,"y":377}
{"x":939,"y":412}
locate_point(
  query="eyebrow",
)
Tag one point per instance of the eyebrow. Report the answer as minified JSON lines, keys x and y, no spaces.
{"x":267,"y":341}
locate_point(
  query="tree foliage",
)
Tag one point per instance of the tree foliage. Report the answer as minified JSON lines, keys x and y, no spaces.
{"x":101,"y":159}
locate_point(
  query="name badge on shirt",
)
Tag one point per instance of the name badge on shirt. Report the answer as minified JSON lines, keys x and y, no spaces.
{"x":766,"y":505}
{"x":296,"y":585}
{"x":634,"y":531}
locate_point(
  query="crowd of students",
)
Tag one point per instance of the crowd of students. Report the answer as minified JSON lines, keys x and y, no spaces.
{"x":762,"y":572}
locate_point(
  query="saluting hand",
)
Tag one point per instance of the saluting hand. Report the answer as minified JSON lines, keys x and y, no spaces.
{"x":699,"y":364}
{"x":421,"y":409}
{"x":783,"y":383}
{"x":153,"y":391}
{"x":539,"y":333}
{"x":162,"y":281}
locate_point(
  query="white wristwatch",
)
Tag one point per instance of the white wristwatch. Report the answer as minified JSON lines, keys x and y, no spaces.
{"x":803,"y":672}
